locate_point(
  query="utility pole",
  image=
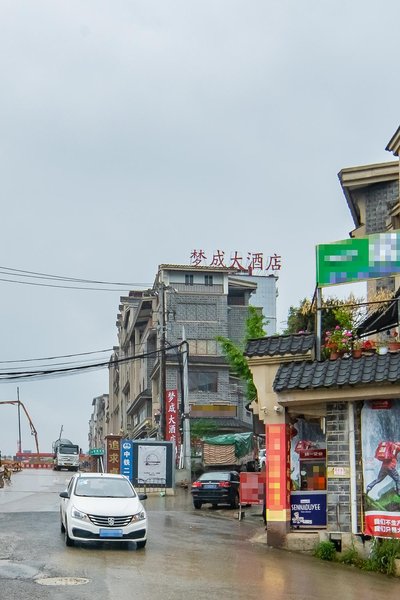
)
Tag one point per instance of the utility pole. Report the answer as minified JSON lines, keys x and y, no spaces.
{"x":163,"y":361}
{"x":186,"y":418}
{"x":19,"y":423}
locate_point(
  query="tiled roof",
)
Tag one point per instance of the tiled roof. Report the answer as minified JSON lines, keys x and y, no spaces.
{"x":298,"y":343}
{"x":373,"y":369}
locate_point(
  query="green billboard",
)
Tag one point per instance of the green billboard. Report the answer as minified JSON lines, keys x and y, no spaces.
{"x":357,"y":259}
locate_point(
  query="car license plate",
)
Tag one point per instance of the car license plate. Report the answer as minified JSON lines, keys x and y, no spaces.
{"x":210,"y":486}
{"x":110,"y":533}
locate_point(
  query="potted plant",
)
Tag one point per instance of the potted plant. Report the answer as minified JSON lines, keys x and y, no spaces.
{"x":394,"y":341}
{"x":367,"y":347}
{"x":338,"y":341}
{"x":382,"y":344}
{"x":357,"y":348}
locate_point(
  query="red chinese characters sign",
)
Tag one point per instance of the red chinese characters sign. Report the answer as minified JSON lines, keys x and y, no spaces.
{"x":113,"y":445}
{"x":172,"y":417}
{"x":249,"y":262}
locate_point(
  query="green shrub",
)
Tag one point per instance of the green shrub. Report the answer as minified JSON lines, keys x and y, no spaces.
{"x":350,"y":556}
{"x":383,"y":555}
{"x":325,"y":550}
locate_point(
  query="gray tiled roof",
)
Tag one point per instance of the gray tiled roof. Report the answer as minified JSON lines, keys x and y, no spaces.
{"x":373,"y":369}
{"x":298,"y":343}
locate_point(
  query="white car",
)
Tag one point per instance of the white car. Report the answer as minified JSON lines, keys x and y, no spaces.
{"x":103,"y":507}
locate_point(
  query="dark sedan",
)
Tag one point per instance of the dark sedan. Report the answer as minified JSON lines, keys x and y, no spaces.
{"x":219,"y":487}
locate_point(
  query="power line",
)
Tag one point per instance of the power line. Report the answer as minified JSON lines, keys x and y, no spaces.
{"x":65,"y":287}
{"x":42,"y":373}
{"x":65,"y":278}
{"x":3,"y":362}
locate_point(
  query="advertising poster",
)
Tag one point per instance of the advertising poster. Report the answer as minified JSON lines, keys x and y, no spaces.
{"x":308,"y":474}
{"x":152,"y":464}
{"x":307,"y":442}
{"x":380,"y":433}
{"x":308,"y":509}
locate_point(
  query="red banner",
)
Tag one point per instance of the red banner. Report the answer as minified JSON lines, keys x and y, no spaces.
{"x":382,"y":524}
{"x":172,"y":417}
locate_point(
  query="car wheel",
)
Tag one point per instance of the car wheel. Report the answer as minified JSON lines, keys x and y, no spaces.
{"x":235,"y":501}
{"x":68,"y":541}
{"x":62,"y":526}
{"x":141,"y":544}
{"x":197,"y":503}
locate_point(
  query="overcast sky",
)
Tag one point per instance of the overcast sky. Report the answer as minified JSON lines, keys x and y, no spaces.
{"x":135,"y":132}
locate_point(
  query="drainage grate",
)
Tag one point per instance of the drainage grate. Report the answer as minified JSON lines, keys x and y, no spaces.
{"x":62,"y":581}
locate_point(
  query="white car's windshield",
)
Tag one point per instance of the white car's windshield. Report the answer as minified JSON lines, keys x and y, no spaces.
{"x":104,"y":487}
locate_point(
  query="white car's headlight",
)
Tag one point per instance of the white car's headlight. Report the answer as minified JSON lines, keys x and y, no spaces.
{"x":139,"y":516}
{"x":77,"y":514}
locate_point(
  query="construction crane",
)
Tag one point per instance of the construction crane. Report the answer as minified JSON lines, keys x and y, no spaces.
{"x":31,"y":425}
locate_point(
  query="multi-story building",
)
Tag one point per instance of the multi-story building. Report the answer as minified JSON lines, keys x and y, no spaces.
{"x":192,"y":303}
{"x":372,"y":194}
{"x":97,"y":423}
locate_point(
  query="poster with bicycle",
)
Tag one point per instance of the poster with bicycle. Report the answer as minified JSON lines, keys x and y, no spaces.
{"x":380,"y":435}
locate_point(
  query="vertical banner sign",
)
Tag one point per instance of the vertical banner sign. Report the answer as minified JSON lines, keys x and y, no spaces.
{"x":127,"y":458}
{"x":113,"y":453}
{"x":380,"y":436}
{"x":172,"y":417}
{"x":278,"y":472}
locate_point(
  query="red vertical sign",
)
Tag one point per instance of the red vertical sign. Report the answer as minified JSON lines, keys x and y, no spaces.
{"x":172,"y":416}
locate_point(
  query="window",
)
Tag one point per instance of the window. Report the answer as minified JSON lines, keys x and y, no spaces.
{"x":208,"y":279}
{"x":203,"y":381}
{"x":203,"y":347}
{"x":188,"y":279}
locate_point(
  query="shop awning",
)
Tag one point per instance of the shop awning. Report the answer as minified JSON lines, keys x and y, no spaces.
{"x":382,"y":319}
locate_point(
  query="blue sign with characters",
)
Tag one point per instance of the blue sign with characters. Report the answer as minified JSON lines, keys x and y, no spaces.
{"x":308,"y":509}
{"x":127,"y":458}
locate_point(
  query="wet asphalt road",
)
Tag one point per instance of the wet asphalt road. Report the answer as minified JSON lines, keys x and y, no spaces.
{"x":190,"y":554}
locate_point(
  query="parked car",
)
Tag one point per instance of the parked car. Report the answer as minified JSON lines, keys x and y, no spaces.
{"x":103,"y":507}
{"x":261,"y":459}
{"x":219,"y":487}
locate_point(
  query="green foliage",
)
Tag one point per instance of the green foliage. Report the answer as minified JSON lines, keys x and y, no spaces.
{"x":325,"y":550}
{"x":347,"y":313}
{"x":383,"y":555}
{"x":350,"y":556}
{"x":201,"y":428}
{"x":381,"y":559}
{"x":254,"y":328}
{"x":255,"y":324}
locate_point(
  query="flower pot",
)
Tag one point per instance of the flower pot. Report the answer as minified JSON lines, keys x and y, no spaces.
{"x":394,"y":346}
{"x":334,"y":355}
{"x":357,"y":353}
